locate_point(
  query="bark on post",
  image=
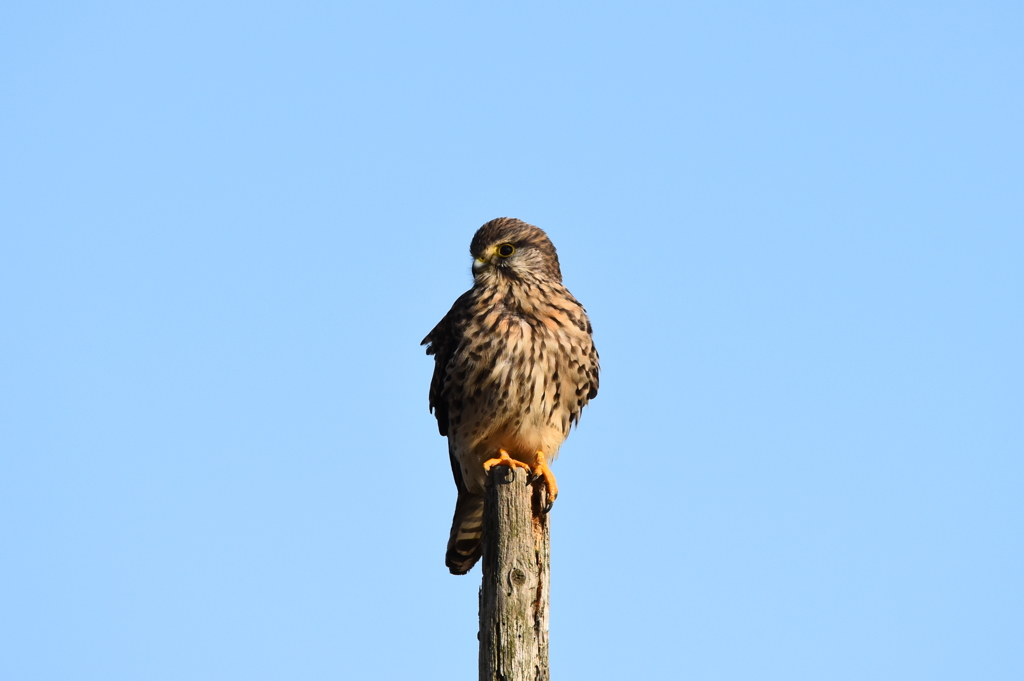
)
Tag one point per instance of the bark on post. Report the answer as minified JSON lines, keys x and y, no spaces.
{"x":514,"y":593}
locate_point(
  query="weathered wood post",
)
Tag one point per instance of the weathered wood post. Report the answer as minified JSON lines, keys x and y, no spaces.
{"x":514,"y":593}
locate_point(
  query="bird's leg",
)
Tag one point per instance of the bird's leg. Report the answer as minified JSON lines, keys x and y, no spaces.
{"x":503,"y":459}
{"x":541,"y":470}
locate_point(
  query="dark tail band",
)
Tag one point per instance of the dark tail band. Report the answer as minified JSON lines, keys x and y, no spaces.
{"x":464,"y":544}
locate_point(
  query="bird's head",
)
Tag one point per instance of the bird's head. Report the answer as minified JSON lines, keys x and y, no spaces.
{"x":510,"y":249}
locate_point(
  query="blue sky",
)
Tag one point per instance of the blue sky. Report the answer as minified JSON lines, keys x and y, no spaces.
{"x":797,"y":228}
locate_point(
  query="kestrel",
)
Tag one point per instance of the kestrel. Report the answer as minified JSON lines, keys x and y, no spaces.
{"x":514,"y":364}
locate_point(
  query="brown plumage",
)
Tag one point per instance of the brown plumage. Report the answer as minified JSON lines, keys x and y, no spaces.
{"x":514,"y":365}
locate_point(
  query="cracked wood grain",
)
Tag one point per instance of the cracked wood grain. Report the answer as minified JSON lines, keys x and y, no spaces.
{"x":514,"y":593}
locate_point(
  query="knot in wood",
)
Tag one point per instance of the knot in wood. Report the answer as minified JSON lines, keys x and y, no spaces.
{"x":516,"y":577}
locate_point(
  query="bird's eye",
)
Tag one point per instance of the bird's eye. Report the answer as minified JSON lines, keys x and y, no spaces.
{"x":506,"y":250}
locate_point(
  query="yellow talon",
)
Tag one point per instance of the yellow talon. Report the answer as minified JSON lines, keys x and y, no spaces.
{"x":504,"y":460}
{"x":538,"y":471}
{"x":541,"y":470}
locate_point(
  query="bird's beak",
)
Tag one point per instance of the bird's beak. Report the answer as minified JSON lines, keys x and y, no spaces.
{"x":480,"y":263}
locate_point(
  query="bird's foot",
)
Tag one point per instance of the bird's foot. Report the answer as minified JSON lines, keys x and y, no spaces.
{"x":541,"y":471}
{"x":503,"y":459}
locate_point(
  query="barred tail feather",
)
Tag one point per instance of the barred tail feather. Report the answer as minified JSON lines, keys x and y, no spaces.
{"x":464,"y":544}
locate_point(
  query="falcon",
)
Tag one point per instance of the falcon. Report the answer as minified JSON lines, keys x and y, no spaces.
{"x":514,"y":365}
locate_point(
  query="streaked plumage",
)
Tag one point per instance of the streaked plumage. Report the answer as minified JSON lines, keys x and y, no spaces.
{"x":514,"y":365}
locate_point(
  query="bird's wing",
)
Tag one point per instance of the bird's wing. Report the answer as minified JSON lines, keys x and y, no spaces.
{"x":594,"y":371}
{"x":441,"y":342}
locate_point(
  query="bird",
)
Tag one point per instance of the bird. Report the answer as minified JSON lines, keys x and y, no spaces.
{"x":514,"y":365}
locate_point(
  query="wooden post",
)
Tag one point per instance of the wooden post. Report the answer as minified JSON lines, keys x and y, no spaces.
{"x":514,"y":594}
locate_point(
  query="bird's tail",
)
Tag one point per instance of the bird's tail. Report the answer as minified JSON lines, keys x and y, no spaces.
{"x":464,"y":544}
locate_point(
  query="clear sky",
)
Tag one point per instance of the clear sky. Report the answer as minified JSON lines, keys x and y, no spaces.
{"x":798,"y":228}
